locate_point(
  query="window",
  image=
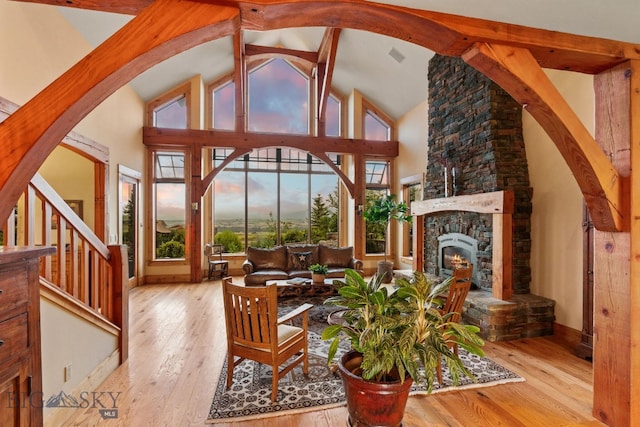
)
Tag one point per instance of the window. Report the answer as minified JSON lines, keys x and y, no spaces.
{"x":377,"y":186}
{"x":128,"y":215}
{"x":333,"y":116}
{"x":274,"y":196}
{"x":223,"y":107}
{"x":278,"y":99}
{"x":170,"y":198}
{"x":377,"y":127}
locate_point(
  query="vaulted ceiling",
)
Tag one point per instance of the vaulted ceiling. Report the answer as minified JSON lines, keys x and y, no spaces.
{"x":390,"y":72}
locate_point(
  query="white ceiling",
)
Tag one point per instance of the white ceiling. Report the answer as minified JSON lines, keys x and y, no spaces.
{"x":363,"y":61}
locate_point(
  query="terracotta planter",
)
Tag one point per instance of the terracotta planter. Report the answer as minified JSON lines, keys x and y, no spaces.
{"x":371,"y":403}
{"x":318,"y":278}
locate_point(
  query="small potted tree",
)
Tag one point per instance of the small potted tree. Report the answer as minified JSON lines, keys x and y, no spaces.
{"x":392,"y":335}
{"x":381,"y":212}
{"x":318,"y":272}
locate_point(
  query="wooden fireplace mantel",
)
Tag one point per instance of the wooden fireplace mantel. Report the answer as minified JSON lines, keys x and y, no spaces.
{"x":498,"y":203}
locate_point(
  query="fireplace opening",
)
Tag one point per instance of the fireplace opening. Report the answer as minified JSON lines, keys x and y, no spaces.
{"x":454,"y":247}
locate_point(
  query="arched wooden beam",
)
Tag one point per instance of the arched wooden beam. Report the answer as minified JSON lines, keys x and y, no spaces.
{"x":207,"y":180}
{"x":164,"y":29}
{"x":168,"y":27}
{"x":344,"y":178}
{"x":517,"y":71}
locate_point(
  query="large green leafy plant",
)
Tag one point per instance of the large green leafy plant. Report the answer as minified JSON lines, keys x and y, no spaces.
{"x":396,"y":332}
{"x":382,"y":210}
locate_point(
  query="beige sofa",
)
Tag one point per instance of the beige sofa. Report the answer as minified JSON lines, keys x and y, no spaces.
{"x":287,"y":262}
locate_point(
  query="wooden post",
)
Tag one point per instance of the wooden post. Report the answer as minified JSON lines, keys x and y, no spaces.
{"x":120,"y":296}
{"x":616,"y":352}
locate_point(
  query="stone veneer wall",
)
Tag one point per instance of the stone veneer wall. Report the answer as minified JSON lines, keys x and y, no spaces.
{"x":476,"y":127}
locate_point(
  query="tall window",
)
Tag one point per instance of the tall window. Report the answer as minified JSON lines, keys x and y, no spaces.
{"x":276,"y":195}
{"x":128,"y":215}
{"x":170,"y":196}
{"x":376,"y":127}
{"x":377,"y":186}
{"x":168,"y":180}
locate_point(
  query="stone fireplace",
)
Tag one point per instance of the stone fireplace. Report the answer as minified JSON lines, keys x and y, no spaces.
{"x":476,"y":146}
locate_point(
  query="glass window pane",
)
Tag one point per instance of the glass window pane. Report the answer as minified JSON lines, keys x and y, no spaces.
{"x":228,"y":228}
{"x":169,"y":166}
{"x":170,"y":217}
{"x":172,"y":114}
{"x":375,"y":233}
{"x":333,"y":117}
{"x":294,"y":208}
{"x":375,"y":128}
{"x":224,"y":102}
{"x":377,"y":173}
{"x":278,"y":99}
{"x":262,"y":209}
{"x":324,"y":209}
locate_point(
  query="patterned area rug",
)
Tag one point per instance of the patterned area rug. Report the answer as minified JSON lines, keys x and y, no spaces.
{"x":250,"y":395}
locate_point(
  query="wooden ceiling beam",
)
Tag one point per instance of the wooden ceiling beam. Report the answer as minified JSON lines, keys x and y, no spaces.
{"x":197,"y":138}
{"x":265,"y":52}
{"x":239,"y":78}
{"x":326,"y":63}
{"x":443,"y":33}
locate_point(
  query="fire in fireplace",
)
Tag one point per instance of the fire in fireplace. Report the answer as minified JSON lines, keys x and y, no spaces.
{"x":454,"y":247}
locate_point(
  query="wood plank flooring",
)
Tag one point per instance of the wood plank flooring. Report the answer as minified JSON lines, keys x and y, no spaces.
{"x":177,"y":348}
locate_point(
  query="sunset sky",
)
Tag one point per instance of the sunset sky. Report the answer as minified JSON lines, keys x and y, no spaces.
{"x":277,"y":104}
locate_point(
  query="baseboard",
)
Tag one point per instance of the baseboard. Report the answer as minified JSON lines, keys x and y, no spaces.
{"x":59,"y":416}
{"x":566,"y":336}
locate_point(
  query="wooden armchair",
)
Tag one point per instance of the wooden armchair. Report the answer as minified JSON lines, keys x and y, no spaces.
{"x":460,"y":286}
{"x":255,"y":332}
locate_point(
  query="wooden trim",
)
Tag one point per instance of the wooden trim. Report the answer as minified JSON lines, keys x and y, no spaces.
{"x":497,"y":202}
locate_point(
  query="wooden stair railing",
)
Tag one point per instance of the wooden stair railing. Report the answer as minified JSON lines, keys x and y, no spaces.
{"x":83,"y":267}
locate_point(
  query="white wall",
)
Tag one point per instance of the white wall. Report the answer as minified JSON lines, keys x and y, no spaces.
{"x":412,"y":159}
{"x":556,"y":229}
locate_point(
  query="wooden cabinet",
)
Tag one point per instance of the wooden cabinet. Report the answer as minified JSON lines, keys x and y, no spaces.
{"x":21,"y":396}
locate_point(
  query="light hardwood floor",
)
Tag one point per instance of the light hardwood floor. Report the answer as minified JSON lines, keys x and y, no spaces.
{"x":177,"y":348}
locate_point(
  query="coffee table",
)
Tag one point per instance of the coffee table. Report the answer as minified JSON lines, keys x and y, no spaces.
{"x":308,"y":288}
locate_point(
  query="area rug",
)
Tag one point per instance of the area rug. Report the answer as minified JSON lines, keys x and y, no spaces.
{"x":250,"y":394}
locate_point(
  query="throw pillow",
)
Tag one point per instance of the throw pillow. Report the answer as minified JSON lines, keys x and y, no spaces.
{"x":300,"y":260}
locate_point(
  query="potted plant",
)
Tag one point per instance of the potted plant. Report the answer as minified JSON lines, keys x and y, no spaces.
{"x":318,"y":272}
{"x":393,"y":334}
{"x":381,"y":211}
